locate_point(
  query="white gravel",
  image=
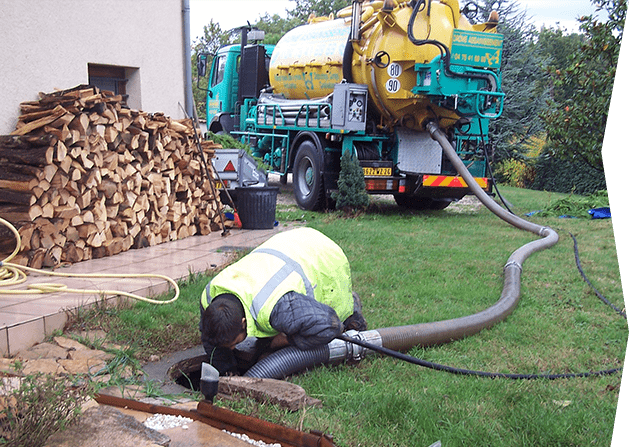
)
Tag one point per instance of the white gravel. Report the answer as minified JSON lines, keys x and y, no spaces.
{"x":246,"y":438}
{"x":164,"y":421}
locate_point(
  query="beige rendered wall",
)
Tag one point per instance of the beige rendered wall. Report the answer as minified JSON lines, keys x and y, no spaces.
{"x":47,"y":44}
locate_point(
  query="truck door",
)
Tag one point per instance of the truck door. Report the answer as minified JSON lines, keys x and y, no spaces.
{"x":223,"y":90}
{"x":214,"y":97}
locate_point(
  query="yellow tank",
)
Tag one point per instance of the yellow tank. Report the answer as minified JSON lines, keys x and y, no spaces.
{"x":308,"y":60}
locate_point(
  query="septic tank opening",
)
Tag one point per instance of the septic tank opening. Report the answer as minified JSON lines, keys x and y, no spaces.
{"x":187,"y":373}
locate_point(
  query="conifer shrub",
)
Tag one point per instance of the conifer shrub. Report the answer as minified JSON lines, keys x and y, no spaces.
{"x":351,"y":195}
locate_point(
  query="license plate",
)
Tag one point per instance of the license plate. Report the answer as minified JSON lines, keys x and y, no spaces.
{"x":381,"y":172}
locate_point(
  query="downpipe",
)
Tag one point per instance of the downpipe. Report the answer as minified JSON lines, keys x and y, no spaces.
{"x":290,"y":360}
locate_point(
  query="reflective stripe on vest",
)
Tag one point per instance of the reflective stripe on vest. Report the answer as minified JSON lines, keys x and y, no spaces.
{"x":277,"y":279}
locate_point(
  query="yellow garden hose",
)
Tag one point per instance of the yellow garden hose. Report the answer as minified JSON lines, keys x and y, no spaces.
{"x":12,"y":274}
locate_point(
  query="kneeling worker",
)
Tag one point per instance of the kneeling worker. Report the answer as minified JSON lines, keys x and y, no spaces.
{"x":294,"y":289}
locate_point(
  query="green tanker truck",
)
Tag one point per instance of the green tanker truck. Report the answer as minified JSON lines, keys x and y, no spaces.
{"x":365,"y":81}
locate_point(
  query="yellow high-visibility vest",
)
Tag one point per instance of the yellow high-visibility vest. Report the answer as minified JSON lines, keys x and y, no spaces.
{"x":301,"y":260}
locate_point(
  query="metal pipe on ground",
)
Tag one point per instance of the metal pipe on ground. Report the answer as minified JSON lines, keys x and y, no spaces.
{"x":224,"y":419}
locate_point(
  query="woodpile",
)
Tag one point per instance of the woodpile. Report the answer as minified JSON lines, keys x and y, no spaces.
{"x":83,"y":177}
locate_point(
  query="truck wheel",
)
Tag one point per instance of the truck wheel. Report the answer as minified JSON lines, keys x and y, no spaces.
{"x":307,"y":177}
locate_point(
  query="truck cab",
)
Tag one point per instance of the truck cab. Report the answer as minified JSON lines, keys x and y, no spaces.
{"x":222,"y":92}
{"x":225,"y":91}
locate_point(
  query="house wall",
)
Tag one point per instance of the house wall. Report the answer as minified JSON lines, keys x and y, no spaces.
{"x":47,"y":45}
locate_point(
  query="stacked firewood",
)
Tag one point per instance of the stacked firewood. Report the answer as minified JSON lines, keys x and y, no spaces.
{"x":83,"y":177}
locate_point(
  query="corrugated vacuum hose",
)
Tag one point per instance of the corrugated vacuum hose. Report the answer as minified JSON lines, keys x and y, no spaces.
{"x":390,"y":341}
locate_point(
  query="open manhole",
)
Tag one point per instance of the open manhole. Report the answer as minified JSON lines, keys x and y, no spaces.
{"x":187,"y":372}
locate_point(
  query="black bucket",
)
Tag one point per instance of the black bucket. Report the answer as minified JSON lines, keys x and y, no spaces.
{"x":256,"y":207}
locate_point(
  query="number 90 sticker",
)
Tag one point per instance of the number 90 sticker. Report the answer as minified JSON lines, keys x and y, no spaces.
{"x":393,"y":85}
{"x":394,"y":70}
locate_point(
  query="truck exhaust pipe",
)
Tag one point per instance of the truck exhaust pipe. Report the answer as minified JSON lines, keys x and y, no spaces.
{"x":357,"y":9}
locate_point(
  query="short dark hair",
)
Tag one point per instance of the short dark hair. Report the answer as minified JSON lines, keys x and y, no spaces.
{"x":221,"y":321}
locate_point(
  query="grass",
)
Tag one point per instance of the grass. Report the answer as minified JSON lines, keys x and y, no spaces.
{"x":411,"y":267}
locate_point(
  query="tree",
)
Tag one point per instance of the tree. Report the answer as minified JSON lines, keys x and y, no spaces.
{"x":275,"y":27}
{"x":575,"y":120}
{"x":304,"y":8}
{"x":556,"y":47}
{"x":212,"y":39}
{"x":351,"y":195}
{"x":521,"y":74}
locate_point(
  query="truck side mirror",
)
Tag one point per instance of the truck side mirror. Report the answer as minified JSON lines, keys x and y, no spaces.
{"x":202,"y":64}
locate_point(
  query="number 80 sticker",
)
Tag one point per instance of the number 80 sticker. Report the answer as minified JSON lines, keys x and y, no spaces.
{"x":393,"y":83}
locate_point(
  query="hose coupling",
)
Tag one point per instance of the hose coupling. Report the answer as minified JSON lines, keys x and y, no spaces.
{"x":545,"y":231}
{"x":346,"y":350}
{"x":512,"y":263}
{"x":432,"y":128}
{"x":355,"y":352}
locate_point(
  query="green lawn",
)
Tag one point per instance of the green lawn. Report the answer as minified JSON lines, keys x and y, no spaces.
{"x":411,"y":267}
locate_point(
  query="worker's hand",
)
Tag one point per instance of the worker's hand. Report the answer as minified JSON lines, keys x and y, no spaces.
{"x":279,"y":341}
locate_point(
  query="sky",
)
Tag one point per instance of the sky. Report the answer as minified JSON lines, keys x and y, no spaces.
{"x":541,"y":12}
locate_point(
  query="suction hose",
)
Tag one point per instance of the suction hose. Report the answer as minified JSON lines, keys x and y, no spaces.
{"x":402,"y":338}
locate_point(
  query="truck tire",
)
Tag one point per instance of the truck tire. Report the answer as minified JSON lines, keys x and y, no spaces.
{"x":308,"y":177}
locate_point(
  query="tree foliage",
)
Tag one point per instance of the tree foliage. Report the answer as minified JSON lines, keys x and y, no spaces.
{"x":351,"y":195}
{"x":577,"y":112}
{"x":304,"y":8}
{"x":212,"y":39}
{"x":556,"y":48}
{"x":521,"y":76}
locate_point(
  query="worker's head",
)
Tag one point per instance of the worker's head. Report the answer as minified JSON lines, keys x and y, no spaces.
{"x":223,"y":322}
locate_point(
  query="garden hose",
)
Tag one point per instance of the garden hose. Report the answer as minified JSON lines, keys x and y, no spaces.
{"x":13,"y":274}
{"x":585,"y":278}
{"x":468,"y":372}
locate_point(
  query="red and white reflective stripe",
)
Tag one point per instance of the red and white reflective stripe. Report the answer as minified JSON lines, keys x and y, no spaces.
{"x":449,"y":181}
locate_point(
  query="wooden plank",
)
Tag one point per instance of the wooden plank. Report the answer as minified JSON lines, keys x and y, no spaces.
{"x":56,"y":113}
{"x":15,"y":213}
{"x":15,"y":197}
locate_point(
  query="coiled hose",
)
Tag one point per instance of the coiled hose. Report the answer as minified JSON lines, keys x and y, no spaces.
{"x":14,"y":274}
{"x":402,"y":338}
